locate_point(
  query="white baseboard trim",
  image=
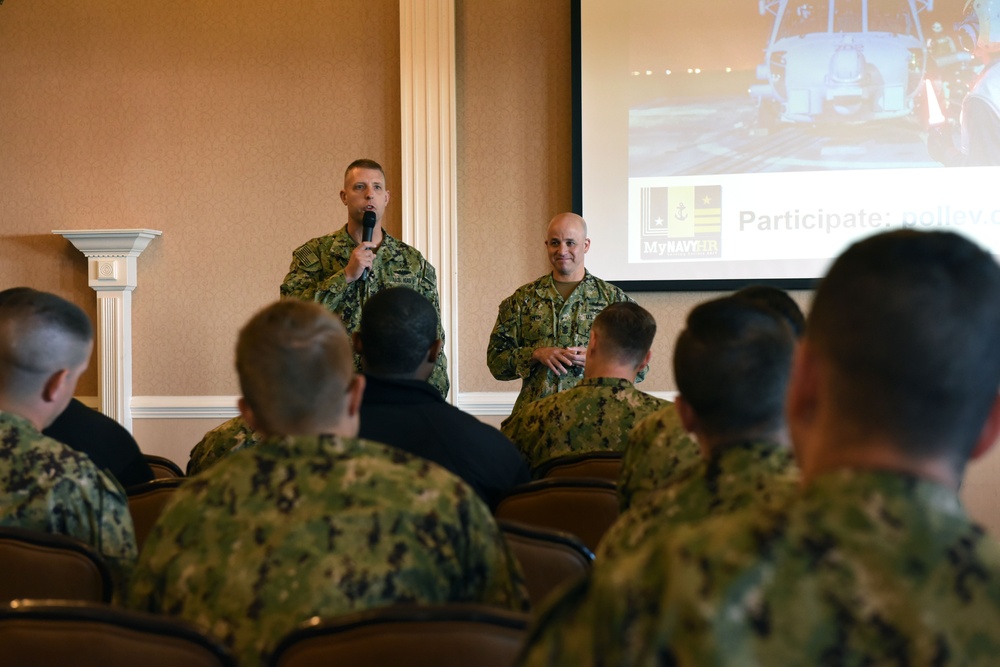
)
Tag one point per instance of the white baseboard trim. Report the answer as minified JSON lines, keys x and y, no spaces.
{"x":486,"y":403}
{"x":500,"y":403}
{"x":184,"y":407}
{"x":478,"y":403}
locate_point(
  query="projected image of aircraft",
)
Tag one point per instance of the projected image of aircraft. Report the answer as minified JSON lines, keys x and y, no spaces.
{"x":841,"y":60}
{"x":795,"y":85}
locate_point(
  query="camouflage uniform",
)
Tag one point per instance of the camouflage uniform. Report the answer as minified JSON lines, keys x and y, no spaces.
{"x":50,"y":487}
{"x":536,"y":316}
{"x":227,"y":438}
{"x":594,"y":416}
{"x":319,"y":526}
{"x":864,"y":568}
{"x":735,"y":477}
{"x":317,"y":274}
{"x":659,"y":453}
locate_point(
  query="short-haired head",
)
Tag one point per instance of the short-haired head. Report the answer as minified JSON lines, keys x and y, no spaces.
{"x":731,"y":365}
{"x":778,"y":301}
{"x":909,"y":322}
{"x":365,"y":163}
{"x":295,"y":366}
{"x":626,"y":332}
{"x":40,"y":335}
{"x":398,"y":329}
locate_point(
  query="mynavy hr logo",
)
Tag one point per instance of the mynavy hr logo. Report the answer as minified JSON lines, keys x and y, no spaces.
{"x":681,"y":222}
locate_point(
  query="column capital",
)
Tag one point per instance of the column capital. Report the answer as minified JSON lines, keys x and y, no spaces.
{"x":111,"y":254}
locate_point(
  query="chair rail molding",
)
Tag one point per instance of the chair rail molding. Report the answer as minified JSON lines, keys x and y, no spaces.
{"x":112,"y":271}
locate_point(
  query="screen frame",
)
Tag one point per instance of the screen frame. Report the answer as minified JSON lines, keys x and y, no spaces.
{"x":698,"y":285}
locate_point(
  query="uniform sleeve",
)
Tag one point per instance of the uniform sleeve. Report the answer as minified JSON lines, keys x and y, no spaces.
{"x":503,"y":581}
{"x":660,"y":453}
{"x":559,"y":636}
{"x":429,"y":288}
{"x":526,"y":429}
{"x":305,"y":280}
{"x":603,"y":619}
{"x":110,"y":524}
{"x":513,"y":427}
{"x":146,"y":590}
{"x":505,"y":356}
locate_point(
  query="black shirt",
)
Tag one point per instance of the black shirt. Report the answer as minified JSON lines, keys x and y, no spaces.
{"x":105,"y":441}
{"x":411,"y":415}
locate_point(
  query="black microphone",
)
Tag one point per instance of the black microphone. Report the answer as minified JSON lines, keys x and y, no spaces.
{"x":368,"y":222}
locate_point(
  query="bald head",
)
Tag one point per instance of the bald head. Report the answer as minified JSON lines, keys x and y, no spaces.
{"x":566,"y":243}
{"x":566,"y":220}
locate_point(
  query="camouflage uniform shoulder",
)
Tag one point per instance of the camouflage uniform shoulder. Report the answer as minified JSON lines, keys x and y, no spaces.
{"x":227,"y":438}
{"x":607,"y":292}
{"x":659,"y":452}
{"x":528,"y":293}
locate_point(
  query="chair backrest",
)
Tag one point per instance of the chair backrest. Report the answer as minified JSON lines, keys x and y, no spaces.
{"x":34,"y":564}
{"x":408,"y":636}
{"x":547,"y":557}
{"x":42,"y":633}
{"x":598,"y":465}
{"x":162,"y":467}
{"x":145,"y":504}
{"x":584,"y":507}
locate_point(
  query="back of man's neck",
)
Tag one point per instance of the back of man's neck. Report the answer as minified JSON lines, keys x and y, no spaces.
{"x":39,"y":420}
{"x":598,"y":371}
{"x":877,"y":456}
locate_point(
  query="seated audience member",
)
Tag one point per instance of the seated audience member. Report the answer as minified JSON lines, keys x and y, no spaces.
{"x":893,"y":390}
{"x":398,"y":344}
{"x":597,"y":414}
{"x":314,"y":521}
{"x":105,"y":441}
{"x":731,"y":365}
{"x":660,"y":451}
{"x":45,"y":345}
{"x":227,"y":438}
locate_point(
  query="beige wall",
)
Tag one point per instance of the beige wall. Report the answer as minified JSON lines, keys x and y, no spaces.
{"x":227,"y":125}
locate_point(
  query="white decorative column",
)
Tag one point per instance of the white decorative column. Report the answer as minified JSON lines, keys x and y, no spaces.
{"x":429,"y":201}
{"x":112,"y":256}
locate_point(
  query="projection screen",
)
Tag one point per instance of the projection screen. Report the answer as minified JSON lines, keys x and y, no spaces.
{"x":732,"y":142}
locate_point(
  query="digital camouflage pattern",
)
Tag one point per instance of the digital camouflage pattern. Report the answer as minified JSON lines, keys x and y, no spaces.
{"x":733,"y":478}
{"x":536,"y":316}
{"x":659,"y":452}
{"x":227,"y":438}
{"x":51,"y":487}
{"x":317,"y":274}
{"x":309,"y":526}
{"x":865,"y":568}
{"x":594,"y":416}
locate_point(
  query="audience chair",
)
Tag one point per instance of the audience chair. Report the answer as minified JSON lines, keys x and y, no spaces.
{"x":447,"y":635}
{"x":34,"y":564}
{"x":162,"y":467}
{"x":146,"y":502}
{"x":584,"y":507}
{"x":547,"y":557}
{"x":598,"y":465}
{"x":43,"y":633}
